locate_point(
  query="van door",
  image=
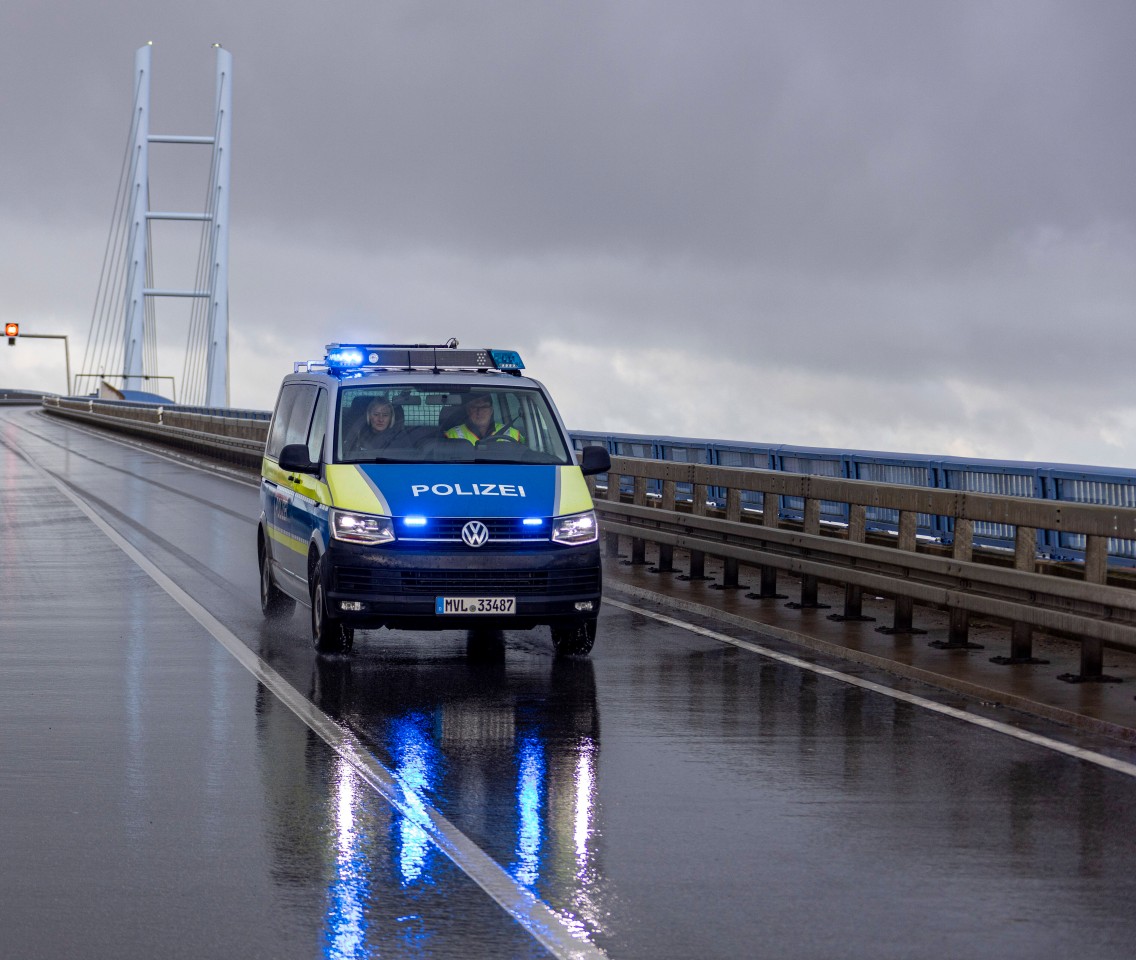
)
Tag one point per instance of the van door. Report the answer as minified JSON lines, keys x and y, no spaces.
{"x":290,"y":424}
{"x":309,"y":506}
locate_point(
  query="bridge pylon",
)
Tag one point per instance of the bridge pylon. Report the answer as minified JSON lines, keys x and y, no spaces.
{"x":213,"y":270}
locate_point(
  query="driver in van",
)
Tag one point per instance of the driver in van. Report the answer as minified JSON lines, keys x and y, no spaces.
{"x":479,"y":422}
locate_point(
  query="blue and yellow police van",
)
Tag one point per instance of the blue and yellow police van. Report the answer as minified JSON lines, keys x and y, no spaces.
{"x":426,"y":487}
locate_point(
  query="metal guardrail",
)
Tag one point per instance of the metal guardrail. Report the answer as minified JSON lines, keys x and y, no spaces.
{"x":821,"y":530}
{"x":20,"y":398}
{"x":1044,"y":481}
{"x":236,"y":437}
{"x":1077,"y":602}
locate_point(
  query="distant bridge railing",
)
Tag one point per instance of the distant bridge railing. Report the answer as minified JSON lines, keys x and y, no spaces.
{"x":1059,"y":483}
{"x":233,"y":436}
{"x":20,"y":398}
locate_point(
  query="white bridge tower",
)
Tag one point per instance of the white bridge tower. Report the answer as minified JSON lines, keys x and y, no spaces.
{"x":214,"y":270}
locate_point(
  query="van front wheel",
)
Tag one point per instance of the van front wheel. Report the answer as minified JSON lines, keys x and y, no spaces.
{"x":575,"y":640}
{"x":273,"y":602}
{"x":329,"y":634}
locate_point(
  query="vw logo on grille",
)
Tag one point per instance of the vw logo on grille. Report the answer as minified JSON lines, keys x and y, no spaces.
{"x":475,"y":533}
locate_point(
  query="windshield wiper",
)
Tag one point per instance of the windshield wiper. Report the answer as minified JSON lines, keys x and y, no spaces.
{"x":386,"y":460}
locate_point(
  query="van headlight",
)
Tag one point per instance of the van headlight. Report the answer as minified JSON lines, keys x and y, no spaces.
{"x":575,"y":529}
{"x":361,"y":527}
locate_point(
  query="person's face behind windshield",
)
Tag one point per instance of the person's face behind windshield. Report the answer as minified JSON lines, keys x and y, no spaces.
{"x":379,"y":416}
{"x":480,"y":414}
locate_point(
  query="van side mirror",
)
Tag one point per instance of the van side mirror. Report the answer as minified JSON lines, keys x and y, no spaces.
{"x":594,"y":460}
{"x":294,"y":457}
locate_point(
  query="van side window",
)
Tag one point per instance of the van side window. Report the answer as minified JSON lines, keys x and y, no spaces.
{"x":292,"y":418}
{"x":279,"y":428}
{"x":318,"y":429}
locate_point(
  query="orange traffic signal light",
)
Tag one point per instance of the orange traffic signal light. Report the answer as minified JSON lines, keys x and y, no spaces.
{"x":11,"y":331}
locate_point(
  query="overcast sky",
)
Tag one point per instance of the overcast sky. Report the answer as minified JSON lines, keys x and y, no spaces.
{"x":904,"y":226}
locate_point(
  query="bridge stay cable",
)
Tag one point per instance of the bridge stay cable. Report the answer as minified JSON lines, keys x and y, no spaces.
{"x":104,"y":335}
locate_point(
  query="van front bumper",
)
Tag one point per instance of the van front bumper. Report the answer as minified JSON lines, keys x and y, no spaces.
{"x":395,"y":586}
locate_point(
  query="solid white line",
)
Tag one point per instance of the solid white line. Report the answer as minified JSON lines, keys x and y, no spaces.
{"x":1120,"y":766}
{"x":540,"y":920}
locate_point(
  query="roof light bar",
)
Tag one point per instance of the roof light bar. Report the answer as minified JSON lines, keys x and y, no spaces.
{"x":343,"y":357}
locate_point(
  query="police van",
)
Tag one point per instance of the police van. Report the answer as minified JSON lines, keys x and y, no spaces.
{"x":426,"y":487}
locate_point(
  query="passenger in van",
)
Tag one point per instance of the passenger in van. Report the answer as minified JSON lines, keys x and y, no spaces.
{"x":381,"y":429}
{"x":479,"y":422}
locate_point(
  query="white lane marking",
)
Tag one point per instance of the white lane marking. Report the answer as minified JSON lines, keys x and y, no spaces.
{"x":539,"y":919}
{"x":1120,"y":766}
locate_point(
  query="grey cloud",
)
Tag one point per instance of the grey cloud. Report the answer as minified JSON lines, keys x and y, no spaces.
{"x":917,"y":219}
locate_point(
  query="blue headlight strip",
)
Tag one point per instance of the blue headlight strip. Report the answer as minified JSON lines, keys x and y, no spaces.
{"x":350,"y":357}
{"x":501,"y":529}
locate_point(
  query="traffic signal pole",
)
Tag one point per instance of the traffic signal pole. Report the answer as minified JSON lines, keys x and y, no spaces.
{"x":47,"y":336}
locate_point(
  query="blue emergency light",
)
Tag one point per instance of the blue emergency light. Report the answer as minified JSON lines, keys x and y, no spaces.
{"x":506,"y":359}
{"x":343,"y":358}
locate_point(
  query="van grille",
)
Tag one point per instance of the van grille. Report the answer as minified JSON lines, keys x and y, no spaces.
{"x":521,"y":583}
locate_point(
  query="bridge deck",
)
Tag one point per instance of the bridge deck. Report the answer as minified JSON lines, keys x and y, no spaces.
{"x":1105,"y":708}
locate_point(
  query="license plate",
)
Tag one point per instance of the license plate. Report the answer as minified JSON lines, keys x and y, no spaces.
{"x":467,"y":605}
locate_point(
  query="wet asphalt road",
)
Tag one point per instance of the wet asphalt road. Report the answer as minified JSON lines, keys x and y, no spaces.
{"x":672,"y":796}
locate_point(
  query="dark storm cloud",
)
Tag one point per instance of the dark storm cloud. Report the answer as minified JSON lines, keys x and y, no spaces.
{"x":849,"y":134}
{"x":852,"y":134}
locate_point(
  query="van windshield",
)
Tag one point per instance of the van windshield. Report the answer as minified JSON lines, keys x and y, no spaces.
{"x":440,"y":423}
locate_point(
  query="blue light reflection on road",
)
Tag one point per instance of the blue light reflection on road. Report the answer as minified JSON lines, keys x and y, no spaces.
{"x":555,"y":798}
{"x":530,"y":788}
{"x":415,"y":761}
{"x":351,"y":886}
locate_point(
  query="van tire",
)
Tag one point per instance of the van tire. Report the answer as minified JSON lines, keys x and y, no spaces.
{"x":575,"y":640}
{"x":329,"y":634}
{"x":274,"y":603}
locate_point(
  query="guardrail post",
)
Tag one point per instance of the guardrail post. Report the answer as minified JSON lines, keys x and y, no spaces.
{"x":730,"y":564}
{"x":962,"y":549}
{"x":666,"y":551}
{"x":808,"y":580}
{"x":958,"y":630}
{"x":638,"y":544}
{"x":903,"y":618}
{"x":770,"y":517}
{"x":612,"y":540}
{"x":853,"y":595}
{"x":1092,"y":648}
{"x":1021,"y":634}
{"x":1025,"y":559}
{"x":698,"y":557}
{"x":1096,"y":559}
